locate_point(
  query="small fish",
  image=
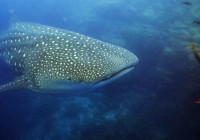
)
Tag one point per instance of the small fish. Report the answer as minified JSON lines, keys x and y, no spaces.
{"x":197,"y":101}
{"x":197,"y":55}
{"x":186,"y":3}
{"x":52,"y":60}
{"x":196,"y":22}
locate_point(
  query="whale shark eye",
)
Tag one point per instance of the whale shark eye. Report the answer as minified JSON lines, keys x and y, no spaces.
{"x":69,"y":79}
{"x":80,"y":81}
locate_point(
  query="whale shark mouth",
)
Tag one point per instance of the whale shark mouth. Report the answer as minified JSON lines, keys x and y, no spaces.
{"x":116,"y":74}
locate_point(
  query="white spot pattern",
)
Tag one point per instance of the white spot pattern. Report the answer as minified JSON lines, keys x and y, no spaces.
{"x":44,"y":53}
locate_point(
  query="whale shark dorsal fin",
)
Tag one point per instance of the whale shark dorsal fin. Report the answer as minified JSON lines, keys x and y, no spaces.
{"x":19,"y":82}
{"x":13,"y":17}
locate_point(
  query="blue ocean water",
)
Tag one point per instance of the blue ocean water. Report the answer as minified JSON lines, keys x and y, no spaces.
{"x":156,"y":101}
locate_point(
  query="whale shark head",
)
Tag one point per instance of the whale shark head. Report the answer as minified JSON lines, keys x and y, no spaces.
{"x":116,"y":62}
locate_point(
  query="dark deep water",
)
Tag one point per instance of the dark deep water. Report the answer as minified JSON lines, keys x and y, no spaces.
{"x":156,"y":101}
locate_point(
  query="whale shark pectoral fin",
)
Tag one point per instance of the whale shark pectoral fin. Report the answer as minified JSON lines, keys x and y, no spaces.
{"x":19,"y":82}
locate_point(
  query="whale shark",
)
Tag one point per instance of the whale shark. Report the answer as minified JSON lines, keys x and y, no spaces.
{"x":52,"y":60}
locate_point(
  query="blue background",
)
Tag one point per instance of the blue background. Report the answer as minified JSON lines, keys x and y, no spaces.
{"x":156,"y":101}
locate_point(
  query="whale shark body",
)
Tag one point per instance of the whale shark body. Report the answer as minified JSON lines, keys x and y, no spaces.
{"x":52,"y":60}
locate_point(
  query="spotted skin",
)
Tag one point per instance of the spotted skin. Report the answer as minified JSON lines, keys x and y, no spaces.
{"x":55,"y":60}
